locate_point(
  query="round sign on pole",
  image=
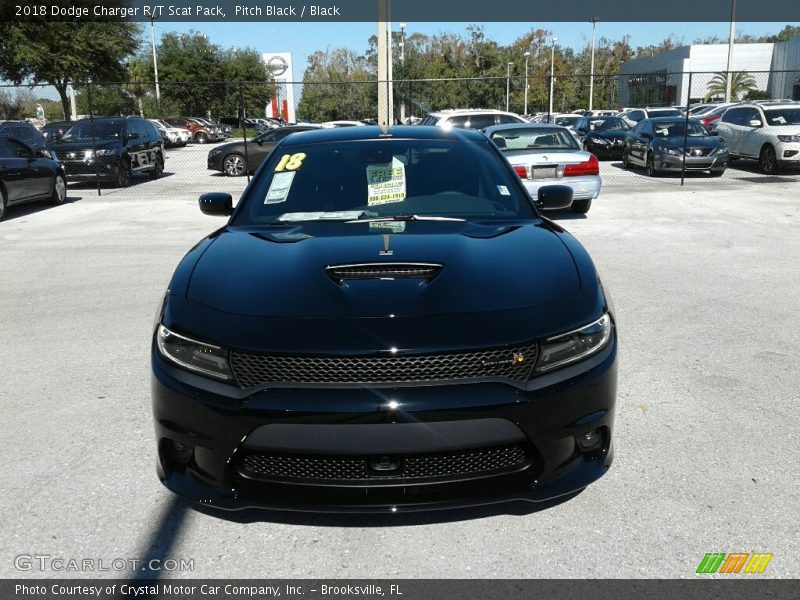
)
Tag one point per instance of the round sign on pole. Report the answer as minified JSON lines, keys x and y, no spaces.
{"x":277,"y":66}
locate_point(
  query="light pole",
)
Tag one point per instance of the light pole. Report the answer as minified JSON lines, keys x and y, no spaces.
{"x":155,"y":59}
{"x":553,"y":41}
{"x":731,"y":36}
{"x":526,"y":54}
{"x":402,"y":68}
{"x":594,"y":21}
{"x":508,"y":83}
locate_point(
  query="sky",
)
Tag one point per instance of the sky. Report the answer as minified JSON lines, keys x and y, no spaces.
{"x":302,"y":39}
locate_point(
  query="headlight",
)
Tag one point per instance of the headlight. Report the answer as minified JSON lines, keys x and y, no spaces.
{"x":193,"y":355}
{"x":89,"y":154}
{"x":599,"y":140}
{"x":575,"y":345}
{"x":672,"y":151}
{"x":213,"y":153}
{"x":789,"y":138}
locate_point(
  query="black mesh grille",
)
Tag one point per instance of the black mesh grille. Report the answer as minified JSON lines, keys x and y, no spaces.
{"x":448,"y":466}
{"x":341,"y":273}
{"x":509,"y":363}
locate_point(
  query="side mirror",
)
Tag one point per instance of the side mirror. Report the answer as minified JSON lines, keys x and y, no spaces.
{"x":216,"y":203}
{"x":555,"y":197}
{"x":755,"y":123}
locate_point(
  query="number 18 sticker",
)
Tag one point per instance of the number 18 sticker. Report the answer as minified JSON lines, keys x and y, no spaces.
{"x":290,"y":162}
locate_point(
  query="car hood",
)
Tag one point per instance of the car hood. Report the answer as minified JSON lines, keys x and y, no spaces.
{"x":607,"y":135}
{"x":691,"y":142}
{"x":64,"y":147}
{"x":282,"y":271}
{"x":268,"y":290}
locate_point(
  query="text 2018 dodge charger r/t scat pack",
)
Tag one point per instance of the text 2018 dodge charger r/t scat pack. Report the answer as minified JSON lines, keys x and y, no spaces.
{"x":386,"y":322}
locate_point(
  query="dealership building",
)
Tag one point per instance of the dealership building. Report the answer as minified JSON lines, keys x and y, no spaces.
{"x":663,"y":80}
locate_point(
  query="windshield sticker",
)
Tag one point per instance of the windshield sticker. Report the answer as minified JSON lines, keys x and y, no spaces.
{"x":393,"y":226}
{"x":339,"y":215}
{"x":386,"y":183}
{"x":279,"y":188}
{"x":503,"y":190}
{"x":290,"y":162}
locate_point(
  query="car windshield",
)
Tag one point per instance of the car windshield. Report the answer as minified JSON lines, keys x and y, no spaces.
{"x":665,"y":112}
{"x":608,"y":125}
{"x":677,"y":129}
{"x":782,"y":116}
{"x":86,"y":130}
{"x":524,"y":138}
{"x":384,"y":179}
{"x":566,"y":121}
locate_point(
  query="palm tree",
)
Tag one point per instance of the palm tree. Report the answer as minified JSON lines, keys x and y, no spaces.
{"x":741,"y":83}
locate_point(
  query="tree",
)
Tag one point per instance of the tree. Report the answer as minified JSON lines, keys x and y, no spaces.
{"x":247,"y":80}
{"x":60,"y":53}
{"x":742,"y":82}
{"x":334,"y":87}
{"x":190,"y":72}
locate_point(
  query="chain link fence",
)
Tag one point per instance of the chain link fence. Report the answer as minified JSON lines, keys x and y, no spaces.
{"x":236,"y":112}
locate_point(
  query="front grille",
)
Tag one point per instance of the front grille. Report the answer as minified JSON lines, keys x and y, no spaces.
{"x":359,"y":469}
{"x":341,"y":273}
{"x":506,"y":363}
{"x":698,"y":151}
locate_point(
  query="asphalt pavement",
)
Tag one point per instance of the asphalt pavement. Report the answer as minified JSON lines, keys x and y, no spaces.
{"x":705,"y":282}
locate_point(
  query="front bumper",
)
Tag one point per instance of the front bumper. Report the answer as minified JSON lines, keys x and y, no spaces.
{"x":788,"y":153}
{"x":215,"y":162}
{"x":614,"y":150}
{"x":106,"y":168}
{"x":670,"y":162}
{"x":583,"y":187}
{"x":216,"y":432}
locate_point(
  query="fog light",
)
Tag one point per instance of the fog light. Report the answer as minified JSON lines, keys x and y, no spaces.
{"x":181,"y":453}
{"x":591,"y":440}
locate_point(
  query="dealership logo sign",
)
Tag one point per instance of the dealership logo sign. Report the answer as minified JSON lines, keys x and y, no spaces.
{"x":277,"y":66}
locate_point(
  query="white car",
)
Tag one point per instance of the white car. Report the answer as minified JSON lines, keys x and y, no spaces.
{"x":340,"y":123}
{"x":544,"y":154}
{"x":768,"y":132}
{"x":176,"y":136}
{"x":471,"y":118}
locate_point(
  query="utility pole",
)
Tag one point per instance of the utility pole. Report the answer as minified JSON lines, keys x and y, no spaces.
{"x":594,"y":21}
{"x":384,"y":116}
{"x":155,"y":59}
{"x":526,"y":54}
{"x":508,"y":83}
{"x":402,"y":68}
{"x":731,"y":37}
{"x":553,"y":41}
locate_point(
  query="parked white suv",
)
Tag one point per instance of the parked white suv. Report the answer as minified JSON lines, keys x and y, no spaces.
{"x":472,"y":118}
{"x":766,"y":131}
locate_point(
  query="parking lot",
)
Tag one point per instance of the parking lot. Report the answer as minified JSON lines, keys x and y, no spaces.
{"x":705,"y":283}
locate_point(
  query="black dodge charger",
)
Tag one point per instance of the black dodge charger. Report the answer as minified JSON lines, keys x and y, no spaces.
{"x":386,"y":322}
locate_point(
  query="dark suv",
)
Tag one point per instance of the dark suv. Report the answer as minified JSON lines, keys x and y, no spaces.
{"x":111,"y":148}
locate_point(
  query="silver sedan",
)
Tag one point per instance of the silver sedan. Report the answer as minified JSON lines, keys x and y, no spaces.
{"x":544,"y":154}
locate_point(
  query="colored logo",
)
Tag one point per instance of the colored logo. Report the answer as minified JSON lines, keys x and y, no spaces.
{"x":736,"y":562}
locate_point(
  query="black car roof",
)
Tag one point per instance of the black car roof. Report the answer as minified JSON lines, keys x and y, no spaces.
{"x":347,"y":134}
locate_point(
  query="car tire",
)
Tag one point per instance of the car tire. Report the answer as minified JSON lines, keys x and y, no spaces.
{"x":767,"y":160}
{"x":626,"y":162}
{"x":201,"y":137}
{"x":59,"y":194}
{"x":158,"y":168}
{"x":651,"y":166}
{"x":2,"y":203}
{"x":234,"y":165}
{"x":581,"y":206}
{"x":718,"y":173}
{"x":123,"y":173}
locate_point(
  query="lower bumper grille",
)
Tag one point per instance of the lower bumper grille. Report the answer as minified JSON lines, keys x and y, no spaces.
{"x":409,"y":469}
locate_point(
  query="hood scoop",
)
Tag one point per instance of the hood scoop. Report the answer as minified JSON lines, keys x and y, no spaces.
{"x":388,"y":271}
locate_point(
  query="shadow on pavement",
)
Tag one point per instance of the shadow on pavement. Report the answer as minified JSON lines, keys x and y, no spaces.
{"x":18,"y":211}
{"x":159,"y":543}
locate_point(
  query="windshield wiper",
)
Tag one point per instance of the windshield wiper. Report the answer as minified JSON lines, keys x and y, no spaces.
{"x":405,"y":218}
